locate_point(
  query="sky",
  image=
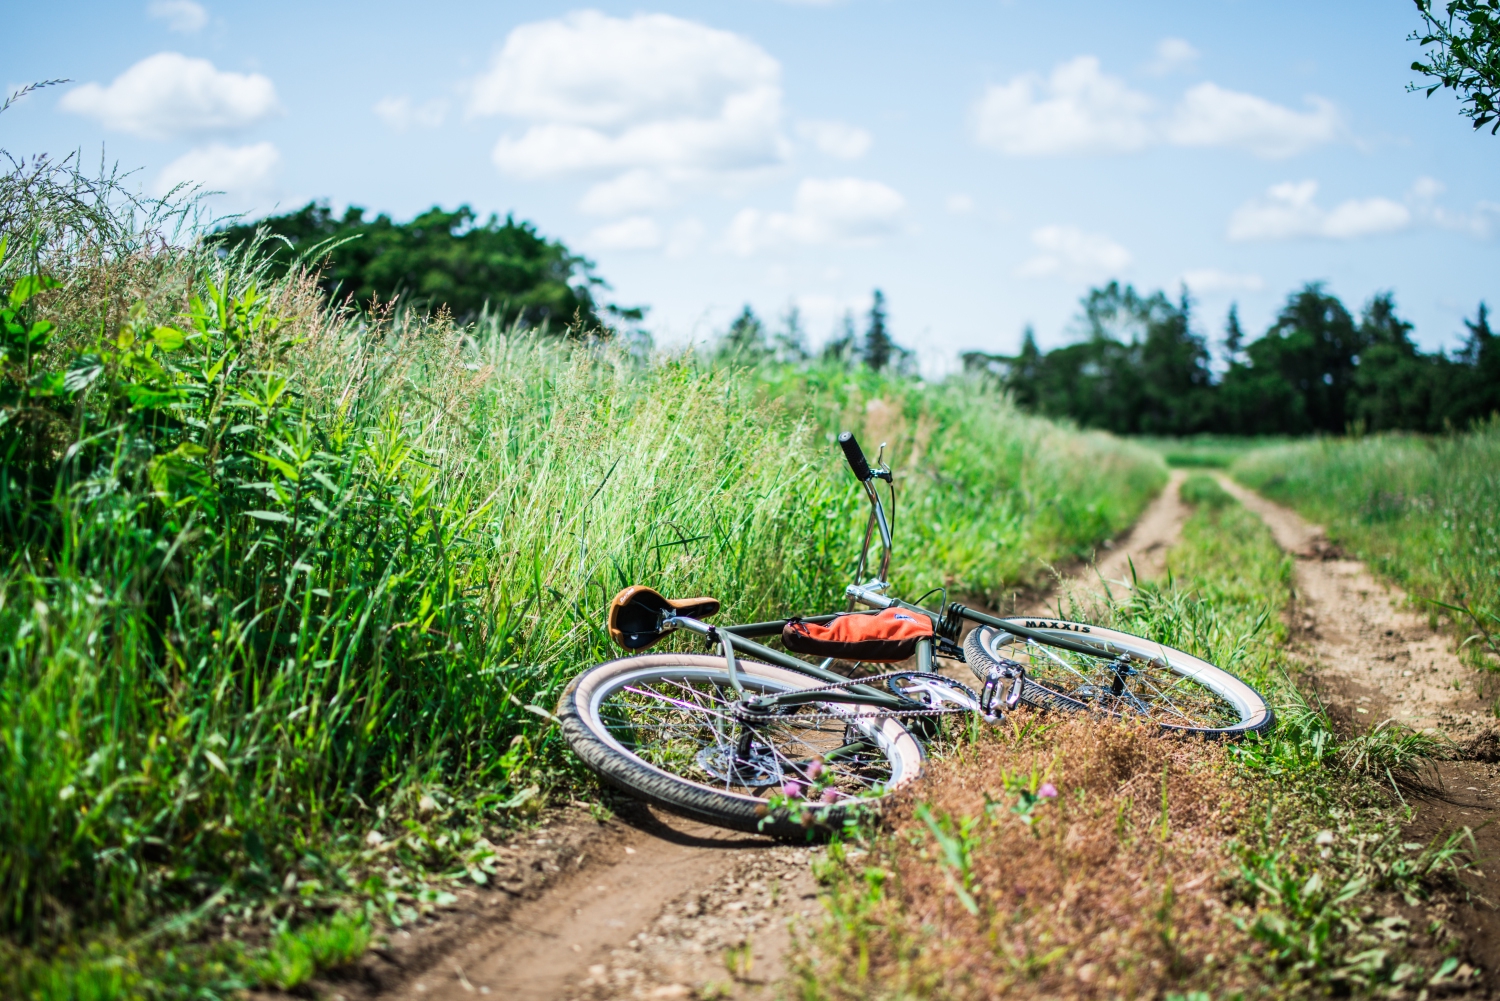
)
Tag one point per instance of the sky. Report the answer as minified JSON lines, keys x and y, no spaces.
{"x":982,"y":163}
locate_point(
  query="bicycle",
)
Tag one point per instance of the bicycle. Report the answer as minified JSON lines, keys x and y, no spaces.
{"x":755,"y":738}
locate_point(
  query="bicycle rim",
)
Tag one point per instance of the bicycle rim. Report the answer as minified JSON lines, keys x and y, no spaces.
{"x":661,"y":727}
{"x":1168,"y":687}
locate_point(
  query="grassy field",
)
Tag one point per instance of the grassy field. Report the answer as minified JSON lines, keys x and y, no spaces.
{"x":1206,"y":451}
{"x":1424,"y":511}
{"x":1162,"y":867}
{"x":286,"y":591}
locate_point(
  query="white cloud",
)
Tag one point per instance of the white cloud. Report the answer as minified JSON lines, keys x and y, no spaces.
{"x":654,"y":92}
{"x":959,"y":204}
{"x":1427,"y":188}
{"x":1211,"y":281}
{"x":1423,"y":199}
{"x":1077,"y":109}
{"x":1172,"y":54}
{"x":1069,"y":251}
{"x":169,"y":94}
{"x":400,"y":113}
{"x":634,"y":233}
{"x":234,"y":170}
{"x":1209,"y":115}
{"x":181,"y":15}
{"x":846,"y":210}
{"x":1289,"y":211}
{"x":632,"y":191}
{"x":847,"y":142}
{"x":1080,"y":109}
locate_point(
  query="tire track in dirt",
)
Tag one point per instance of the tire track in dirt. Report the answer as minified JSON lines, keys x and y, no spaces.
{"x":1375,"y":656}
{"x":1372,"y":658}
{"x":654,"y":906}
{"x":651,"y":906}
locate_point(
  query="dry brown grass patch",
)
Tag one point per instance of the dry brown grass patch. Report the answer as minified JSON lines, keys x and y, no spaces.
{"x":1117,"y":887}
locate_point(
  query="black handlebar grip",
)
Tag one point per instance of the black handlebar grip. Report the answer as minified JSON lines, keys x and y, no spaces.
{"x":855,"y":456}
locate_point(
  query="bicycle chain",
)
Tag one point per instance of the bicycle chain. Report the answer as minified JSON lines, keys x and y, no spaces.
{"x":843,"y":685}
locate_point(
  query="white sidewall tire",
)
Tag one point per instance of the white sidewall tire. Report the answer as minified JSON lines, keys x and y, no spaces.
{"x":578,"y":711}
{"x":1256,"y":715}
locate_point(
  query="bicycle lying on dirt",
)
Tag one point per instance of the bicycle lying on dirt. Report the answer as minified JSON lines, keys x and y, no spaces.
{"x":757,"y":738}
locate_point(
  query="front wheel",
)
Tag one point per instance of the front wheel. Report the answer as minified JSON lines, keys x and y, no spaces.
{"x":1154,"y":682}
{"x":664,"y":728}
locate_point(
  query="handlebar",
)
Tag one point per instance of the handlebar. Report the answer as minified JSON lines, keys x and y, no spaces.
{"x":856,"y":457}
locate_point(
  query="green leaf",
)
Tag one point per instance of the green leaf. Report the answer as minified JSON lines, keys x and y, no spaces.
{"x":40,"y":331}
{"x":82,"y":371}
{"x":268,"y":516}
{"x":150,"y":399}
{"x":48,"y":384}
{"x":284,"y":468}
{"x":29,"y":285}
{"x":178,"y":477}
{"x":168,"y":338}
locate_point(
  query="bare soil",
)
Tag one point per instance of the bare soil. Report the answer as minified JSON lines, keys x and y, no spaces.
{"x":647,"y":905}
{"x":1373,"y":658}
{"x":643,"y":905}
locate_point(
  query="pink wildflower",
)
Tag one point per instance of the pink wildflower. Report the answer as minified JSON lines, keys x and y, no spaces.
{"x":1047,"y":791}
{"x":814,"y":768}
{"x":792,"y":790}
{"x":831,"y":795}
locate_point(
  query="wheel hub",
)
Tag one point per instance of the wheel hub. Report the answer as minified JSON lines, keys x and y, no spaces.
{"x":755,"y":769}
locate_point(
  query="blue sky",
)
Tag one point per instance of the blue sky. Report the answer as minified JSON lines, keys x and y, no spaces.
{"x":982,"y":163}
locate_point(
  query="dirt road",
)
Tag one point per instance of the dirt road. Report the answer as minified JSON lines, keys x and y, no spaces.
{"x":650,"y":906}
{"x":1376,"y":658}
{"x":1373,"y":658}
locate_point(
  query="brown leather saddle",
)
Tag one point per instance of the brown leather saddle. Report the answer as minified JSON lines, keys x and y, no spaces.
{"x":635,"y":615}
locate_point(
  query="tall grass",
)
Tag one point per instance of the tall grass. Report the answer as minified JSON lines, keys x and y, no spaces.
{"x":988,"y":497}
{"x":1077,"y":858}
{"x":1424,"y":511}
{"x":274,"y":576}
{"x":1205,"y":451}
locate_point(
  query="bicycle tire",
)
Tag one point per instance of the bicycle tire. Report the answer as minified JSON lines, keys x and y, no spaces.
{"x":1232,"y":709}
{"x":597,"y":741}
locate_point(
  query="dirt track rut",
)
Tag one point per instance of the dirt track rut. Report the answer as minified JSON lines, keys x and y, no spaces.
{"x":653,"y":907}
{"x":1373,"y":658}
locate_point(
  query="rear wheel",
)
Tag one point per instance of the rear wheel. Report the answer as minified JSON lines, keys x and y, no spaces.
{"x":1150,"y":681}
{"x":664,"y":728}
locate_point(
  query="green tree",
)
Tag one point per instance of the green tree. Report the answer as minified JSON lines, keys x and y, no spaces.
{"x":1298,"y":375}
{"x":1234,"y":335}
{"x":878,"y":347}
{"x":791,"y":340}
{"x":1140,"y":370}
{"x":745,"y":340}
{"x":1464,"y":38}
{"x":1394,"y":383}
{"x":439,"y":259}
{"x":841,"y":348}
{"x":1474,"y":390}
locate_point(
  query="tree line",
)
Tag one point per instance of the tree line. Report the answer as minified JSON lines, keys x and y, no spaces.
{"x":749,"y":341}
{"x":438,"y":260}
{"x":1142,"y":368}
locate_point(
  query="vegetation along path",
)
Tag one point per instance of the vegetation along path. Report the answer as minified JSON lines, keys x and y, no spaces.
{"x":658,"y":907}
{"x":653,"y":906}
{"x":1374,"y":659}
